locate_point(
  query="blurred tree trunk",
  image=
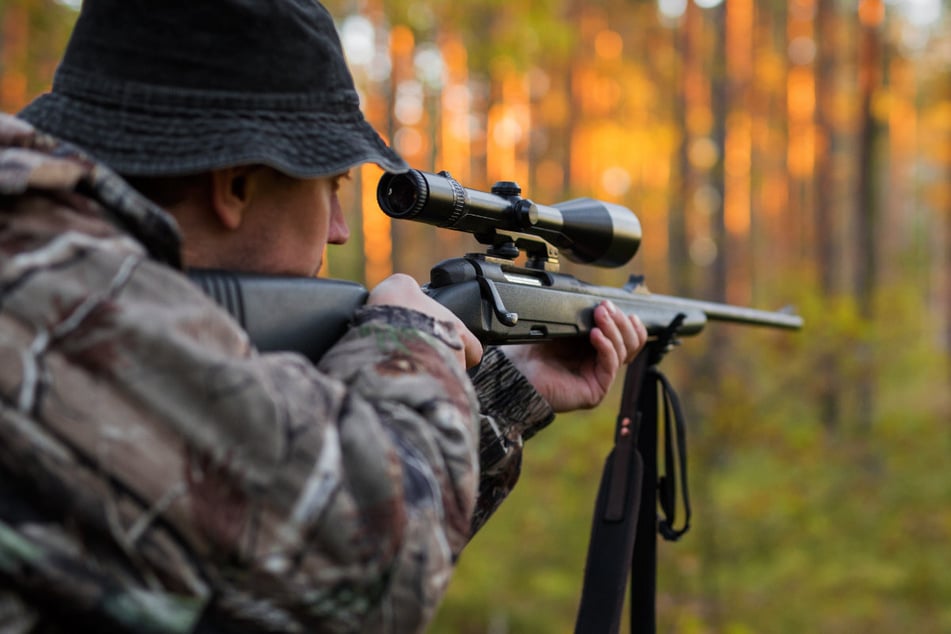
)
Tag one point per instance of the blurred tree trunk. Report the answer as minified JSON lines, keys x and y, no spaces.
{"x":871,"y":14}
{"x":947,"y":301}
{"x":825,"y":234}
{"x":14,"y":32}
{"x":696,"y":120}
{"x":721,"y":101}
{"x":574,"y":106}
{"x":678,"y":252}
{"x":712,"y":452}
{"x":866,"y":221}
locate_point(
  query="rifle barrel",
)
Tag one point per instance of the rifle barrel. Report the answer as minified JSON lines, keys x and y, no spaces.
{"x":716,"y":311}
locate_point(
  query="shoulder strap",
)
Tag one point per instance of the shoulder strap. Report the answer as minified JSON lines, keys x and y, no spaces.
{"x":628,"y":480}
{"x":615,"y":517}
{"x":675,"y":439}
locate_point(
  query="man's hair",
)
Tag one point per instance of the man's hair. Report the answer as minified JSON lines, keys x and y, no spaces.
{"x":168,"y":191}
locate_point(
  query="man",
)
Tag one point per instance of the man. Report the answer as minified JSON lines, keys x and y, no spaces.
{"x":156,"y":472}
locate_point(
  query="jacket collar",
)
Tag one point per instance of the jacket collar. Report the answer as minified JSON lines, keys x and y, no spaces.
{"x":30,"y":159}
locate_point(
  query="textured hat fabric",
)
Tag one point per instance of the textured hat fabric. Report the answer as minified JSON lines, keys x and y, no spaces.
{"x":170,"y":87}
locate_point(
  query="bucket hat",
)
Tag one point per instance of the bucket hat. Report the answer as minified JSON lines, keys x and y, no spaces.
{"x":173,"y":87}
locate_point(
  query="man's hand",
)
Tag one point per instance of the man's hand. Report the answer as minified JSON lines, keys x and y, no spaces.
{"x":403,"y":290}
{"x":574,"y":376}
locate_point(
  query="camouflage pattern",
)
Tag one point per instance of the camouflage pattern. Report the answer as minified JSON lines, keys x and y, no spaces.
{"x":157,"y":474}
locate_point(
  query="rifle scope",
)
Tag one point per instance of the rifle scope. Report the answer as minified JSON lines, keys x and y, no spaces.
{"x":587,"y":231}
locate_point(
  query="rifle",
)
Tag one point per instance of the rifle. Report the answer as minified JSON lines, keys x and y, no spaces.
{"x":504,"y":300}
{"x":499,"y":301}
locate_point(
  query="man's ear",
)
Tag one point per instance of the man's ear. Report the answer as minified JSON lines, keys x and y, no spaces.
{"x":230,"y":194}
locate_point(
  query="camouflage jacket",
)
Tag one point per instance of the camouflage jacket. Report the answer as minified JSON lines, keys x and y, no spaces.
{"x":157,"y":474}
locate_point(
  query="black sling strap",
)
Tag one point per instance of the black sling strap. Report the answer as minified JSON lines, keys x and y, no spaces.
{"x":625,"y":523}
{"x":615,"y":517}
{"x":675,"y":436}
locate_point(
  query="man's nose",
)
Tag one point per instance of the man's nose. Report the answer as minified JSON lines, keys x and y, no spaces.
{"x":339,"y":231}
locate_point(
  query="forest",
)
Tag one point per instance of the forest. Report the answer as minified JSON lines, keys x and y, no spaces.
{"x":776,"y":154}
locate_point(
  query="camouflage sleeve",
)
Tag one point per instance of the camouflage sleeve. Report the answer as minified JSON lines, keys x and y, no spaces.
{"x":157,"y":464}
{"x":335,"y":498}
{"x":511,"y":413}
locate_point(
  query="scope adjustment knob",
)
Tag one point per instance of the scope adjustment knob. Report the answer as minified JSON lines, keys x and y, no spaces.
{"x":506,"y":189}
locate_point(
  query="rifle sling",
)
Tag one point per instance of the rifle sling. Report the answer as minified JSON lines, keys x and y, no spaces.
{"x":675,"y":434}
{"x":611,"y":551}
{"x":615,"y":517}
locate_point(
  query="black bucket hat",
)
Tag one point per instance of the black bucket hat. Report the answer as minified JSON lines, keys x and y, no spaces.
{"x":172,"y":87}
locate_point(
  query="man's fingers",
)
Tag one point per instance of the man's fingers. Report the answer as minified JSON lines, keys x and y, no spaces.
{"x":606,"y":318}
{"x":635,"y":334}
{"x":625,"y":332}
{"x":640,"y":331}
{"x":472,"y":348}
{"x":402,"y":290}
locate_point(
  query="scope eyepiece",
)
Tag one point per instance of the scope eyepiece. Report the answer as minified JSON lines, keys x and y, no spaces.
{"x":398,"y":194}
{"x":587,"y":231}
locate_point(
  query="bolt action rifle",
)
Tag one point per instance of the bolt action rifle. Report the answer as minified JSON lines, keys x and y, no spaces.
{"x":503,"y":302}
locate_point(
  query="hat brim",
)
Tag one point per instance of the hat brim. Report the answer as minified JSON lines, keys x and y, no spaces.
{"x":160,"y":140}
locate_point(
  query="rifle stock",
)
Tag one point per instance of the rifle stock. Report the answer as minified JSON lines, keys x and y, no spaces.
{"x":283,"y":313}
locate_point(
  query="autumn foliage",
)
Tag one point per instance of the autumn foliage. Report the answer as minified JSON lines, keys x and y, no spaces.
{"x":775,"y":152}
